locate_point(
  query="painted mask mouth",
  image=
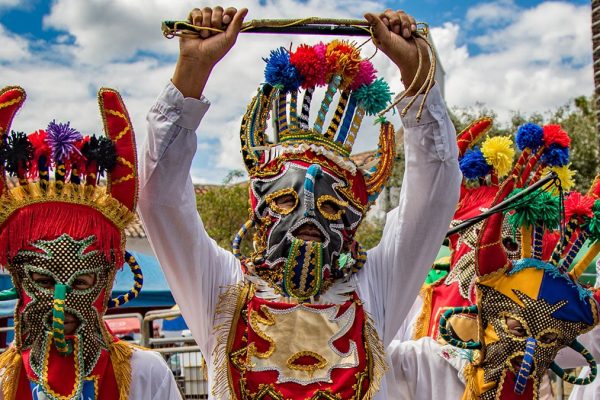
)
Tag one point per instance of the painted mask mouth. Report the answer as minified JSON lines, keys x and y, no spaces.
{"x":71,"y":323}
{"x":517,"y":362}
{"x":309,"y":232}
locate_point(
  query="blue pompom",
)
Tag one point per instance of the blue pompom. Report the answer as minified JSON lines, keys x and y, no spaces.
{"x":530,"y":136}
{"x":556,"y":155}
{"x":280,"y":72}
{"x":473,"y":164}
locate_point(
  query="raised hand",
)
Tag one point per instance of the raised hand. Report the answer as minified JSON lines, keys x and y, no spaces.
{"x":393,"y":33}
{"x":199,"y":54}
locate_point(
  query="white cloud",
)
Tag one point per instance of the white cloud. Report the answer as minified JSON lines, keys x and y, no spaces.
{"x":522,"y":65}
{"x":492,"y":13}
{"x":536,"y":63}
{"x":13,"y":47}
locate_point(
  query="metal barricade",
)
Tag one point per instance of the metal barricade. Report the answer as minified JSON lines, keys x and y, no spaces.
{"x":181,"y":354}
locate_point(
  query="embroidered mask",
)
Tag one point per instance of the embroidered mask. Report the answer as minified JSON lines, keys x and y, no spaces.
{"x":300,"y":249}
{"x":62,"y":241}
{"x":310,"y":225}
{"x":528,"y":309}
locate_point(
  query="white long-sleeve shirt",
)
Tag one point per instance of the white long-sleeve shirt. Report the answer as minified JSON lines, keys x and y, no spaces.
{"x":197,"y":269}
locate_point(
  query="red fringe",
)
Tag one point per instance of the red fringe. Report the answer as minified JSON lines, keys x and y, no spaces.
{"x":48,"y":221}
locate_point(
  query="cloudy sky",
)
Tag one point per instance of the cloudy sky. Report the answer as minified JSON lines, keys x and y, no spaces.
{"x":509,"y":55}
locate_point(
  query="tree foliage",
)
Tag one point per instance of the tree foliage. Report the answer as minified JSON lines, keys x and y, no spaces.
{"x":224,"y":209}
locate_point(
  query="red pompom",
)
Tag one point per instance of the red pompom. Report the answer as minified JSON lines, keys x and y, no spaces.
{"x":310,"y":64}
{"x":578,"y":206}
{"x":555,"y":134}
{"x":40,"y":149}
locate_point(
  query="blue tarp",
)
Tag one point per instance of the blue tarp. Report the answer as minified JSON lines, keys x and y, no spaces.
{"x":155,"y":293}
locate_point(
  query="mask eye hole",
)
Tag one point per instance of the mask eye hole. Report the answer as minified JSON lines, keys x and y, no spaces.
{"x":283,"y":201}
{"x":331,"y":208}
{"x":515,"y":327}
{"x":548,"y":338}
{"x":509,"y":244}
{"x":84,"y":281}
{"x":43,"y":280}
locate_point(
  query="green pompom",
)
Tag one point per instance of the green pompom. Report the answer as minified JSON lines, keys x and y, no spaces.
{"x":537,"y":208}
{"x":374,"y":97}
{"x":593,"y":224}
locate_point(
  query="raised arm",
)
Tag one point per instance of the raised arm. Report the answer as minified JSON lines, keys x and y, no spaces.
{"x":415,"y":229}
{"x":195,"y":266}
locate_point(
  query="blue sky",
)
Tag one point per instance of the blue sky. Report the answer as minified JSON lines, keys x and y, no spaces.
{"x":530,"y":56}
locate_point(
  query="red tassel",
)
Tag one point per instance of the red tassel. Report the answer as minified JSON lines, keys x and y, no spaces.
{"x":49,"y":220}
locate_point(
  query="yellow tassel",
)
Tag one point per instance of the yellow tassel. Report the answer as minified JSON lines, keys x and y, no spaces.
{"x":498,"y":151}
{"x":377,"y":361}
{"x":423,"y":321}
{"x":228,"y":310}
{"x":120,"y":356}
{"x":586,"y":260}
{"x":10,"y":365}
{"x":526,"y":239}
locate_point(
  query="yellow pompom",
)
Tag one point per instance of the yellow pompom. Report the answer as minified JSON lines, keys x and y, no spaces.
{"x":566,"y":176}
{"x":498,"y":151}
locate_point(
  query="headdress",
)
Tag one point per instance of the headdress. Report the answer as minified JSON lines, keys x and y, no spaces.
{"x":61,"y":228}
{"x":301,"y":154}
{"x":549,"y":306}
{"x":486,"y":162}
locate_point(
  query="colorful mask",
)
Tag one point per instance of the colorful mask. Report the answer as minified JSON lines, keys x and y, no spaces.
{"x":307,"y":198}
{"x":302,"y":247}
{"x":55,"y":233}
{"x":528,"y":309}
{"x":484,"y":169}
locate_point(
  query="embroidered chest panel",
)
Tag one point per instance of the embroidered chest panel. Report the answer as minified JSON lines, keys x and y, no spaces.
{"x":301,"y":351}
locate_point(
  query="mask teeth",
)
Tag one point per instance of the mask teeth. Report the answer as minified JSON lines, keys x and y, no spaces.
{"x":337,"y":116}
{"x":312,"y":173}
{"x":306,"y":108}
{"x":331,"y":88}
{"x":58,"y":320}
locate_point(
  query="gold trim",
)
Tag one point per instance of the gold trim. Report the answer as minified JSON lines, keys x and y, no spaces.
{"x":340,"y":203}
{"x":94,"y":197}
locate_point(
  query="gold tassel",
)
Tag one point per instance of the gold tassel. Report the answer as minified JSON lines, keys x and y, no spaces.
{"x":120,"y":357}
{"x":227,"y":312}
{"x":378,"y":365}
{"x":423,"y":321}
{"x":470,"y":392}
{"x":10,"y":365}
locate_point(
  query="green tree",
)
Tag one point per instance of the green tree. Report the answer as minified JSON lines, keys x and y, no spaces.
{"x":224,"y":209}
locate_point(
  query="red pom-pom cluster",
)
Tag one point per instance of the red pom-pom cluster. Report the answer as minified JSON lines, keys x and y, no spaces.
{"x":578,"y":206}
{"x":310,"y":63}
{"x":318,"y":63}
{"x":555,"y":134}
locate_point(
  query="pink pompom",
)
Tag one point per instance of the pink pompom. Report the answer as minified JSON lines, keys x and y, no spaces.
{"x":364,"y":76}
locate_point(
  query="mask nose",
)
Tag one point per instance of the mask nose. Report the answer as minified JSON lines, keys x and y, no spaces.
{"x":312,"y":173}
{"x":526,"y":366}
{"x":58,"y":319}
